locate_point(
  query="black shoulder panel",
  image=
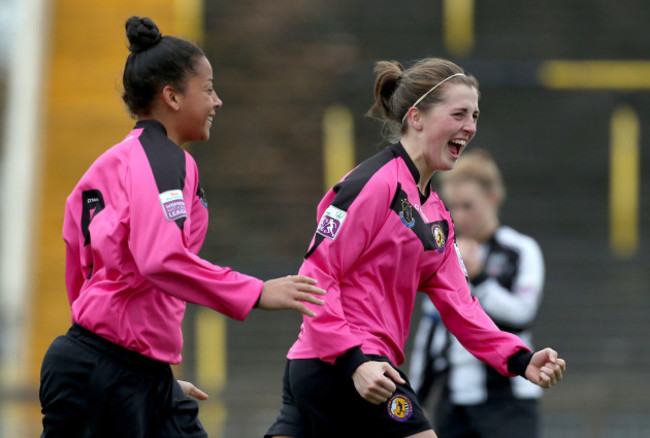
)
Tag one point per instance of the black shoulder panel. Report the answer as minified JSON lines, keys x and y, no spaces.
{"x":433,"y":235}
{"x":348,"y":189}
{"x":167,"y":160}
{"x":92,"y":203}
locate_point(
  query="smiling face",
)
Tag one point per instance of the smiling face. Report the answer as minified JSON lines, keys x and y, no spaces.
{"x":448,"y":126}
{"x":197,"y":105}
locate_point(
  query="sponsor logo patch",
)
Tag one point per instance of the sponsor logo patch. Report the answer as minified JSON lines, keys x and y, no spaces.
{"x":173,"y":205}
{"x":439,"y":238}
{"x":331,"y":222}
{"x":400,"y":407}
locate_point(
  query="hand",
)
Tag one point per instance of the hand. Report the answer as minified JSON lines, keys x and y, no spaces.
{"x":192,"y":391}
{"x":289,"y":293}
{"x":545,"y":368}
{"x":470,"y":251}
{"x":372,"y":381}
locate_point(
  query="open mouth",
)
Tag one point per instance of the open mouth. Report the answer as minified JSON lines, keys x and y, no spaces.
{"x":455,"y":146}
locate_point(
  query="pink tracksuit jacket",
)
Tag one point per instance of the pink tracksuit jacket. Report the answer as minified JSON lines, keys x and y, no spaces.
{"x":132,"y":228}
{"x":377,"y":243}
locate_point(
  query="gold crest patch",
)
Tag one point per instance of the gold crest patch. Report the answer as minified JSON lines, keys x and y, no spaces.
{"x":400,"y":407}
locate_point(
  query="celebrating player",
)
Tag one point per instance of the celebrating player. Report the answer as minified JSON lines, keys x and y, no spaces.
{"x":133,"y":226}
{"x":384,"y":235}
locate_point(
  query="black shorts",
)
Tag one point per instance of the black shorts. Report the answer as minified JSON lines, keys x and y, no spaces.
{"x":319,"y":400}
{"x":91,"y":387}
{"x":499,"y":417}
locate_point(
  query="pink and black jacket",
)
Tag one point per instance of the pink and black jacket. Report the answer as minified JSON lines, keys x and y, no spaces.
{"x":378,"y":242}
{"x":132,"y":228}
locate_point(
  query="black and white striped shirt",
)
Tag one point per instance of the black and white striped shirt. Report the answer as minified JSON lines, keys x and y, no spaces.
{"x":510,"y":291}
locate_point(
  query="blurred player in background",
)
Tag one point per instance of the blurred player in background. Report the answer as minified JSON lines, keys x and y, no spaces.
{"x":132,"y":227}
{"x":383,"y":235}
{"x":506,"y":274}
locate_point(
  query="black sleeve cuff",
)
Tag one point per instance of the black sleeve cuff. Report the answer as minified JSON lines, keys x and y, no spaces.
{"x":480,"y":278}
{"x":518,"y":362}
{"x":350,"y":360}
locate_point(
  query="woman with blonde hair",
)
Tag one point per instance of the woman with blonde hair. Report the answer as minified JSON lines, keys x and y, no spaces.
{"x":506,"y":274}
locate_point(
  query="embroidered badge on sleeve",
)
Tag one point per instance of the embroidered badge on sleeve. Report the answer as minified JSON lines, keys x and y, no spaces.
{"x":331,"y":222}
{"x":400,"y":407}
{"x":173,"y":205}
{"x":439,"y":238}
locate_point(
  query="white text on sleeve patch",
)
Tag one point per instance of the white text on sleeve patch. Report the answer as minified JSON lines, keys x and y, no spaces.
{"x":173,"y":205}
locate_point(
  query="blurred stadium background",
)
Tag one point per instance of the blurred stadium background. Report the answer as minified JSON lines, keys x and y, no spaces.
{"x":565,"y":108}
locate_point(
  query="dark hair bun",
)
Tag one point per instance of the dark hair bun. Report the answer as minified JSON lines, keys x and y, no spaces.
{"x":142,"y":34}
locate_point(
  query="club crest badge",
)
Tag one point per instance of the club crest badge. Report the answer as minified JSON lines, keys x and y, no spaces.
{"x":173,"y":205}
{"x":439,"y":238}
{"x":331,"y":222}
{"x":400,"y":407}
{"x":406,"y":214}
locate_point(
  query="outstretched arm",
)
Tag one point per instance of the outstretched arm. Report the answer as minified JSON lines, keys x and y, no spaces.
{"x":290,"y":292}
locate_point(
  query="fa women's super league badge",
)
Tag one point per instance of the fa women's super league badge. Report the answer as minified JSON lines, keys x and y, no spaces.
{"x":331,"y":222}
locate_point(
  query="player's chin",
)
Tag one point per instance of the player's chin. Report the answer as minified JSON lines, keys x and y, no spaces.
{"x":447,"y":165}
{"x":204,"y":135}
